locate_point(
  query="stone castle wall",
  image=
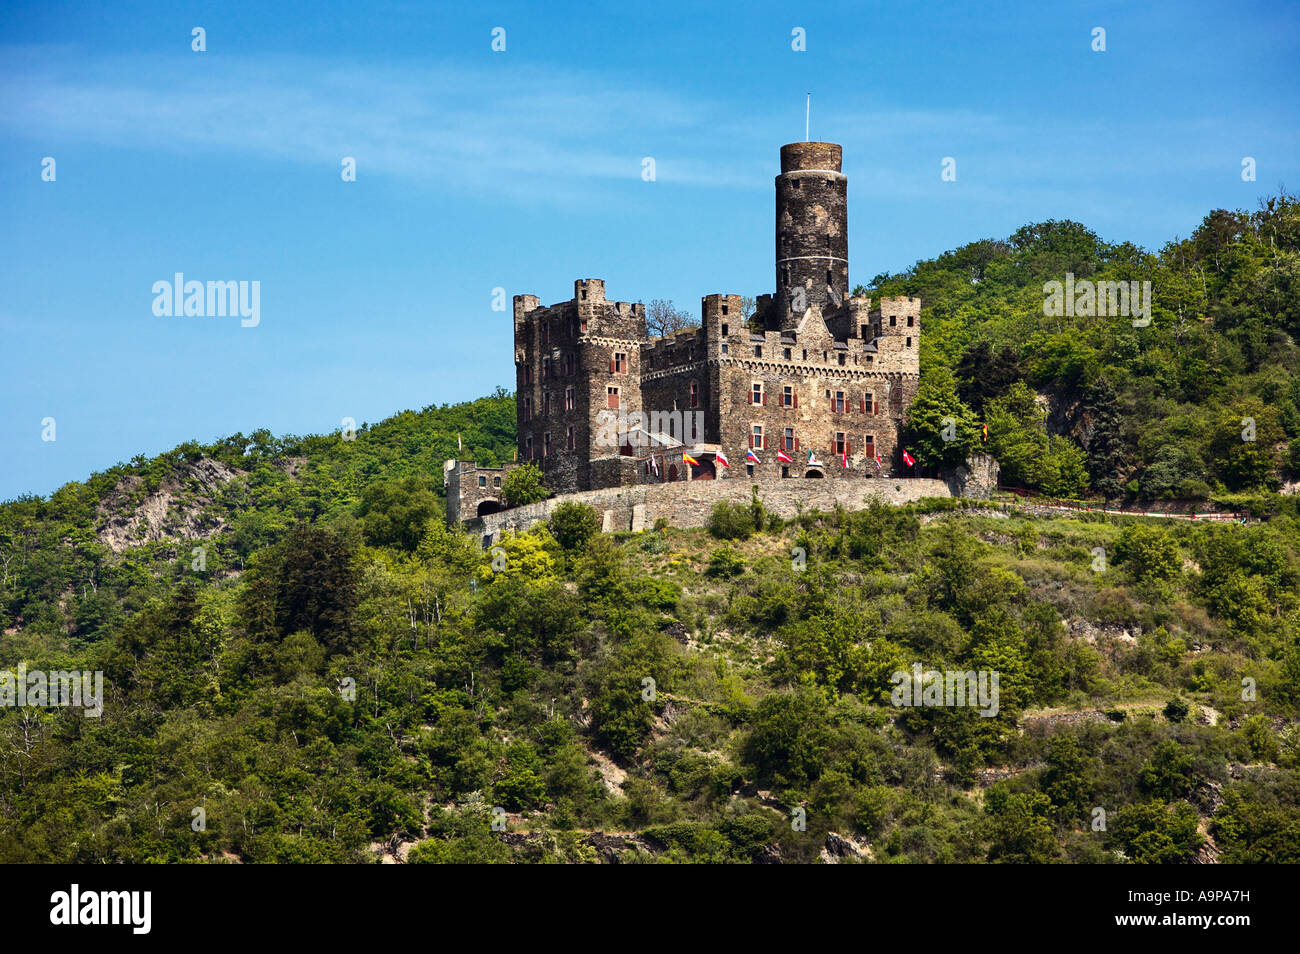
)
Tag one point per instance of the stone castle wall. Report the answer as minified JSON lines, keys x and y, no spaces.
{"x":688,"y":504}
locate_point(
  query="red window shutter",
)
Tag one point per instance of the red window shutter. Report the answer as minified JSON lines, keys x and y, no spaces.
{"x":796,"y":443}
{"x":764,"y":399}
{"x":796,"y":398}
{"x":864,"y":405}
{"x":751,"y":441}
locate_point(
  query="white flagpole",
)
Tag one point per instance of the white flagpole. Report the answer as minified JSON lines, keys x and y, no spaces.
{"x":807,"y":118}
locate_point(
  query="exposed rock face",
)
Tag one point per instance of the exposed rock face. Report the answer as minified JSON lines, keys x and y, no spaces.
{"x":977,"y":478}
{"x":175,"y":511}
{"x":1046,"y":724}
{"x":839,"y":848}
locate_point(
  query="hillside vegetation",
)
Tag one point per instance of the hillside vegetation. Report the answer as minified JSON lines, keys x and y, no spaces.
{"x":297,"y":653}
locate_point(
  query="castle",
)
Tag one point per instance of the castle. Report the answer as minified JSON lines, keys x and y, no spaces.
{"x":813,"y":384}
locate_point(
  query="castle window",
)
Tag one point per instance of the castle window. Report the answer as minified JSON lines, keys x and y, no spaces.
{"x":546,"y":369}
{"x":796,"y":183}
{"x":893,"y":320}
{"x":724,"y":329}
{"x":482,"y":481}
{"x":496,"y":481}
{"x":546,"y":404}
{"x":789,"y":439}
{"x":788,"y":398}
{"x":868,"y":403}
{"x":546,"y":444}
{"x":582,"y":325}
{"x":863,"y":331}
{"x":611,"y":397}
{"x":584,"y":294}
{"x":528,"y":448}
{"x":528,"y":374}
{"x":842,"y":357}
{"x":909,"y":343}
{"x":568,"y":399}
{"x":618,"y":363}
{"x":786,"y":354}
{"x":724,"y":347}
{"x":758,"y":351}
{"x":805,"y":354}
{"x":785,"y":471}
{"x":725,"y":308}
{"x":528,"y":409}
{"x":909,"y":321}
{"x":749,"y":470}
{"x":839,"y":402}
{"x":757,"y":396}
{"x":568,"y":438}
{"x":869,"y":445}
{"x":840,"y":444}
{"x":695,"y":394}
{"x":756,"y":437}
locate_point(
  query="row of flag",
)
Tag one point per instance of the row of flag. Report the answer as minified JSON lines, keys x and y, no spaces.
{"x":785,"y":458}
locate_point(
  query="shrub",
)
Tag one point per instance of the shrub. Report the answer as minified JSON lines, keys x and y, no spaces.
{"x":523,"y":485}
{"x":573,"y":524}
{"x":724,"y":564}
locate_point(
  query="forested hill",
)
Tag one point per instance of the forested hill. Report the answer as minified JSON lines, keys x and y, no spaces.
{"x":293,"y":643}
{"x":1149,"y":412}
{"x":79,"y":560}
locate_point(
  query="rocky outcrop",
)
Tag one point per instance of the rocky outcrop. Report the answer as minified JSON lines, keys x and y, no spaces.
{"x":977,"y":478}
{"x":177,"y":510}
{"x":840,"y":848}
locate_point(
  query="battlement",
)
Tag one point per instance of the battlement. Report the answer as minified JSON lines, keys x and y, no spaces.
{"x":821,"y":156}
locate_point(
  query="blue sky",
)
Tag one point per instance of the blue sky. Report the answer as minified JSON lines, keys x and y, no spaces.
{"x":522,"y":169}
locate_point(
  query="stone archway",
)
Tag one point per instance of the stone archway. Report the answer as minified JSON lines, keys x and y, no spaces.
{"x":814,"y":473}
{"x":490,"y":506}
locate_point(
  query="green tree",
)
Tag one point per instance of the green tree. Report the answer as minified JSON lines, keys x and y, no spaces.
{"x":523,"y":485}
{"x":940,"y":431}
{"x":395,"y":513}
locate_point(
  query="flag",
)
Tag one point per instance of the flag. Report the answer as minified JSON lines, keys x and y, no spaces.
{"x":880,"y":464}
{"x":721,"y":458}
{"x":844,"y":459}
{"x":781,"y":456}
{"x":690,"y":460}
{"x":986,"y":432}
{"x":750,"y":455}
{"x":813,"y":461}
{"x":458,"y":444}
{"x":654,"y":464}
{"x":908,"y":459}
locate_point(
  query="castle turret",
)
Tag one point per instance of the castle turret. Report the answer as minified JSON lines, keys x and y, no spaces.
{"x":812,"y":232}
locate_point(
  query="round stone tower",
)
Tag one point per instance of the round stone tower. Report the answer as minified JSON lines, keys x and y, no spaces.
{"x":812,"y":231}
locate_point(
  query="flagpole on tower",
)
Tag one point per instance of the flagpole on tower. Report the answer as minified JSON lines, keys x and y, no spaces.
{"x":807,"y":117}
